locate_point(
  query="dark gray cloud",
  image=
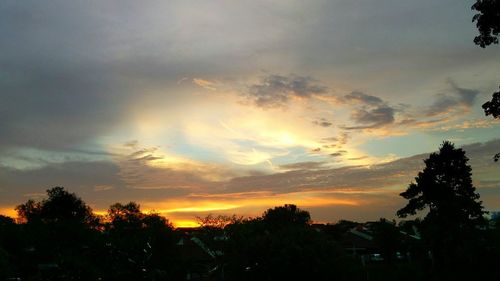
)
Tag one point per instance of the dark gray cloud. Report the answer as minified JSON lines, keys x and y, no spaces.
{"x":57,"y":89}
{"x":276,"y":90}
{"x":322,"y":122}
{"x":369,"y":112}
{"x":71,"y":71}
{"x":372,"y":118}
{"x":457,"y":99}
{"x":101,"y":183}
{"x":17,"y":185}
{"x":359,"y":97}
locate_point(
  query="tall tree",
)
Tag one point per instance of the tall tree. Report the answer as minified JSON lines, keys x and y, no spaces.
{"x":454,"y":213}
{"x":60,"y":231}
{"x":445,"y":188}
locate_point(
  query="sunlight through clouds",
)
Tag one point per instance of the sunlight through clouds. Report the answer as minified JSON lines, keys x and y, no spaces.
{"x":256,"y":103}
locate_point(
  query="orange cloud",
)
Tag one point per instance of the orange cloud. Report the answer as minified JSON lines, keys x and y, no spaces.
{"x":209,"y":85}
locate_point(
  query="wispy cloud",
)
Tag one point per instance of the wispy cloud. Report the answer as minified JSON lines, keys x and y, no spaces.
{"x":206,"y":84}
{"x":458,"y":99}
{"x":322,"y":122}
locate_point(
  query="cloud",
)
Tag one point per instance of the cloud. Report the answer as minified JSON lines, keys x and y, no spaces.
{"x":333,"y":142}
{"x":312,"y":184}
{"x":397,"y":173}
{"x":338,"y":140}
{"x":276,"y":90}
{"x":81,"y":177}
{"x":206,"y":84}
{"x":373,"y":118}
{"x":459,"y":100}
{"x":369,"y":112}
{"x":467,"y":124}
{"x":357,"y":158}
{"x":322,"y":122}
{"x":150,"y":168}
{"x":303,"y":166}
{"x":338,"y":153}
{"x":359,"y":97}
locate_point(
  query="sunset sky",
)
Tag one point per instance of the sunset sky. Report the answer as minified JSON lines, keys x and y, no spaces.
{"x":233,"y":107}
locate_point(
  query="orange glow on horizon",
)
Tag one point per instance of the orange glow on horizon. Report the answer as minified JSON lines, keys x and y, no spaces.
{"x":183,"y":211}
{"x":185,"y":223}
{"x":10,"y":212}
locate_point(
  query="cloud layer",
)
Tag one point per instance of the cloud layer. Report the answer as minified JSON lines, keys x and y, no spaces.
{"x":265,"y":99}
{"x":276,"y":90}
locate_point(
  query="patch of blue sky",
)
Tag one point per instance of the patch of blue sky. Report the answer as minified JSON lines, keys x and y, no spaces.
{"x":467,"y":136}
{"x":197,"y":153}
{"x":402,"y":146}
{"x":423,"y":142}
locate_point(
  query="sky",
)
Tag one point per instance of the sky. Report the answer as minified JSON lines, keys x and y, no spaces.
{"x":232,"y":107}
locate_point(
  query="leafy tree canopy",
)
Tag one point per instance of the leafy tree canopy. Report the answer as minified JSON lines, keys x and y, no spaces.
{"x":493,"y":108}
{"x":487,"y":22}
{"x":60,"y":206}
{"x":288,"y":214}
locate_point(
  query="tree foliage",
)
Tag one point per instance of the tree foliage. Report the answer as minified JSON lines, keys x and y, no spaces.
{"x":445,"y":188}
{"x":212,"y":221}
{"x":281,"y":245}
{"x":60,"y":206}
{"x":288,"y":214}
{"x":451,"y":227}
{"x":487,"y":22}
{"x":493,"y":108}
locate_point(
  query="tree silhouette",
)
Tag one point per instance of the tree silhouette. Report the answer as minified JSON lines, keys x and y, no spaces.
{"x":386,"y":234}
{"x":451,"y":226}
{"x":59,"y":230}
{"x":60,"y":206}
{"x":487,"y":22}
{"x":493,"y":108}
{"x":285,"y":215}
{"x":488,"y":25}
{"x":125,"y":217}
{"x":445,"y":188}
{"x":141,"y":246}
{"x":280,"y":245}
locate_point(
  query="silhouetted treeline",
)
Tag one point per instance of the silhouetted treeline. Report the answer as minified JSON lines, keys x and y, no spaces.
{"x":60,"y":238}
